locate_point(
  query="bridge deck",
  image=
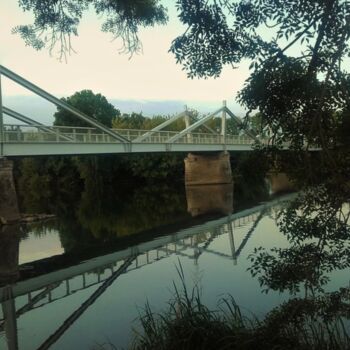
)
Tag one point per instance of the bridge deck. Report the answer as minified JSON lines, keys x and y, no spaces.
{"x":29,"y":140}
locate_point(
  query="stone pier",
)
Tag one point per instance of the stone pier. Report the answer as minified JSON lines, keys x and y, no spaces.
{"x":9,"y":211}
{"x":208,"y":169}
{"x":279,"y":182}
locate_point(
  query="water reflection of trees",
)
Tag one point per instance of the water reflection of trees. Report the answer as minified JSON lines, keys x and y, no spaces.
{"x":94,"y":200}
{"x":98,"y":199}
{"x":317,"y":227}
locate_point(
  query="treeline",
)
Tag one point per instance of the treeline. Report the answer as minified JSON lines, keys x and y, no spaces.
{"x":97,"y":107}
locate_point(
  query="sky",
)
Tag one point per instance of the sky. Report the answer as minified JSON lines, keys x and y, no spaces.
{"x":97,"y":65}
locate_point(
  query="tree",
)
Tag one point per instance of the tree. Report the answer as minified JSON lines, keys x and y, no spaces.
{"x":56,"y":21}
{"x":129,"y":121}
{"x":297,"y":51}
{"x":94,"y":105}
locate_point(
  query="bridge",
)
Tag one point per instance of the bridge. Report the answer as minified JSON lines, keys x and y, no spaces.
{"x":32,"y":138}
{"x":48,"y":288}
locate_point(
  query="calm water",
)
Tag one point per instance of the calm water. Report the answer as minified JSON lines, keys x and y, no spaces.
{"x":84,"y":277}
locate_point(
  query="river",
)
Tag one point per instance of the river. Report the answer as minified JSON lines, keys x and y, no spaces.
{"x":83,"y":278}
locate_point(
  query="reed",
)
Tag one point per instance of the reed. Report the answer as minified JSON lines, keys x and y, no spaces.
{"x":188,"y":324}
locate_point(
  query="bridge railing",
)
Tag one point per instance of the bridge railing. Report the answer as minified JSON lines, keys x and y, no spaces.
{"x":66,"y":134}
{"x":40,"y":133}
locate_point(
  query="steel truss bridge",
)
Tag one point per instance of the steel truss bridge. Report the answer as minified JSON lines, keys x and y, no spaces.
{"x":30,"y":137}
{"x":105,"y":270}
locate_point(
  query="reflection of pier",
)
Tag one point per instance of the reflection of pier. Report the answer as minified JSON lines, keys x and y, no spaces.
{"x":9,"y":246}
{"x":214,"y":198}
{"x":104,"y":270}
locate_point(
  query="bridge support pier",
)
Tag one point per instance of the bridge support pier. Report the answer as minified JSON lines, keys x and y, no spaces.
{"x":279,"y":182}
{"x":208,"y":169}
{"x":9,"y":211}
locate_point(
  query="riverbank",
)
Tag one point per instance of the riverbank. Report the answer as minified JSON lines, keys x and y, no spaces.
{"x":27,"y":219}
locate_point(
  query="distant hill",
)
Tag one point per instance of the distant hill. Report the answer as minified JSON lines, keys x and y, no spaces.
{"x":42,"y":111}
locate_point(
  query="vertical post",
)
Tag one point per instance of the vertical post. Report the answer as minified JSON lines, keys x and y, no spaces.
{"x":18,"y":134}
{"x":187,"y":125}
{"x":232,"y":242}
{"x":9,"y":312}
{"x":1,"y":124}
{"x":223,"y":123}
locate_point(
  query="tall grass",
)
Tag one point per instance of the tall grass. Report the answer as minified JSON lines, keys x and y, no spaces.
{"x":189,"y":324}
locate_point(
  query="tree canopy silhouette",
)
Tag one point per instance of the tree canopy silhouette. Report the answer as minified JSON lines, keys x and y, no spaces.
{"x":298,"y":52}
{"x":56,"y":21}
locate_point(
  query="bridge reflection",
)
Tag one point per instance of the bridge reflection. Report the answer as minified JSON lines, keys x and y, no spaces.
{"x":103,"y":271}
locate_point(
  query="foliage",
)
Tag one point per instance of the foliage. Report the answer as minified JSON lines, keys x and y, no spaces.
{"x":317,"y":228}
{"x":249,"y":181}
{"x":140,"y":122}
{"x":156,"y":166}
{"x":95,"y":106}
{"x":297,"y":50}
{"x":55,"y":22}
{"x":45,"y":182}
{"x":132,"y":121}
{"x":102,"y":197}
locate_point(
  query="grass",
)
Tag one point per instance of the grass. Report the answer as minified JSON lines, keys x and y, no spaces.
{"x":189,"y":324}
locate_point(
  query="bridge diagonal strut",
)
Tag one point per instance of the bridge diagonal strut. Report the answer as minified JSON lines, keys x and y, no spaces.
{"x":240,"y":123}
{"x":193,"y":126}
{"x":47,"y":96}
{"x":249,"y":233}
{"x":78,"y":312}
{"x":159,"y":127}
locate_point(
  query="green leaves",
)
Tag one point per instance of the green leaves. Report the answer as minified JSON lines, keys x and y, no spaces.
{"x":296,"y":51}
{"x":95,"y":106}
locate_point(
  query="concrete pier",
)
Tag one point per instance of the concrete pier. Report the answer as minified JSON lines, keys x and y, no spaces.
{"x":208,"y":169}
{"x":9,"y":211}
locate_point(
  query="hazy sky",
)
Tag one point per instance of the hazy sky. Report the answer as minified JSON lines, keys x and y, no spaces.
{"x":153,"y":75}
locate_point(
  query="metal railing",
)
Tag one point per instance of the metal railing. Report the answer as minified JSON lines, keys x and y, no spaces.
{"x":66,"y":134}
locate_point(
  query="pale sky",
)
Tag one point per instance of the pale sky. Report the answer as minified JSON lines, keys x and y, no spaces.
{"x":98,"y":66}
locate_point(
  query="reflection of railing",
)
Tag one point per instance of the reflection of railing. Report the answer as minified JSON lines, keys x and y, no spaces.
{"x":199,"y":242}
